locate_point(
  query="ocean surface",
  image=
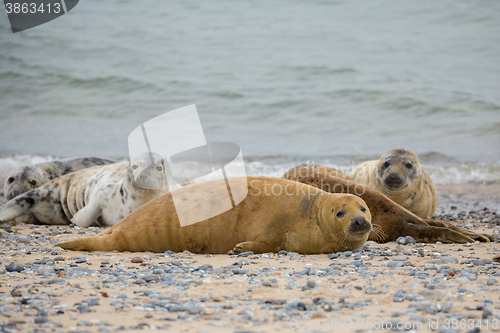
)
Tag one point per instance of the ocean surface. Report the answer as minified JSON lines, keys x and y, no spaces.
{"x":330,"y":82}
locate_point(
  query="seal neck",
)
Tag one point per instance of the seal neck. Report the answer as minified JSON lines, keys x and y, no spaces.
{"x":317,"y":210}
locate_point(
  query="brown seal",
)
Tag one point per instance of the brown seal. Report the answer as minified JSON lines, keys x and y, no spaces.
{"x":399,"y":176}
{"x":389,"y":219}
{"x":277,"y":214}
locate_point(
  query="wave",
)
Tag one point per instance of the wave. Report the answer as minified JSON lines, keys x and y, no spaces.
{"x":444,"y":171}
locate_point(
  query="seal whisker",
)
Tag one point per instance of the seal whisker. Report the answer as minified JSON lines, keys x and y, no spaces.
{"x":378,"y":235}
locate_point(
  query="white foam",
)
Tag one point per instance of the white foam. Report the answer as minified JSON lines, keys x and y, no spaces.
{"x":460,"y":173}
{"x":464,"y":173}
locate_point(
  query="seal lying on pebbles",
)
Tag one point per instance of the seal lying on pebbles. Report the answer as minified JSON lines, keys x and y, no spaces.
{"x":277,"y":214}
{"x":399,"y":176}
{"x":102,"y":194}
{"x":27,"y":177}
{"x":390,"y":220}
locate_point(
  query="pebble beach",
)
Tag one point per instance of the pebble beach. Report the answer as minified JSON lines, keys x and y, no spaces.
{"x":398,"y":286}
{"x":335,"y":83}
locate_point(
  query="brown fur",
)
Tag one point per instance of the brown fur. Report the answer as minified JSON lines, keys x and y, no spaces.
{"x":389,"y":219}
{"x":298,"y":218}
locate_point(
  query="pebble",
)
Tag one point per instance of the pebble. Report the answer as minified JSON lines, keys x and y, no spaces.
{"x":491,"y":282}
{"x":395,"y":264}
{"x":41,"y":320}
{"x":23,"y":239}
{"x":16,"y":293}
{"x":486,"y":313}
{"x":137,"y":260}
{"x":449,"y":260}
{"x":408,"y":240}
{"x":172,"y":288}
{"x":13,"y":267}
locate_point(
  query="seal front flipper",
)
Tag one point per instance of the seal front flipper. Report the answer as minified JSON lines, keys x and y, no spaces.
{"x":254,"y":246}
{"x":13,"y":210}
{"x":87,"y":215}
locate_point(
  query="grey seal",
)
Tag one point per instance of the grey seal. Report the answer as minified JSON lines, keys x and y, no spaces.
{"x":24,"y":178}
{"x":102,"y":194}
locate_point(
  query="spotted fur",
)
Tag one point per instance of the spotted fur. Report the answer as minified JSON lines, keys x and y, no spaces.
{"x":102,"y":194}
{"x":24,"y":178}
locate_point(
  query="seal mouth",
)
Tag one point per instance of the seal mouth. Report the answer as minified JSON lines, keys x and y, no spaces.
{"x":12,"y":193}
{"x":394,"y":182}
{"x":145,"y":181}
{"x":359,"y":226}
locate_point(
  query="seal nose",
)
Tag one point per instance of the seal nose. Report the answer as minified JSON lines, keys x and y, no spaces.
{"x":393,"y":179}
{"x":359,"y":223}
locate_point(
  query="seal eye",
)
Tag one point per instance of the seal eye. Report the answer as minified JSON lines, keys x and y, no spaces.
{"x":134,"y":167}
{"x":32,"y":183}
{"x":409,"y":166}
{"x":159,"y":168}
{"x":340,"y":214}
{"x":363,"y":209}
{"x":11,"y":180}
{"x":386,"y":164}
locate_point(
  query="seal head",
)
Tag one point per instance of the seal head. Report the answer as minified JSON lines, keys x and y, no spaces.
{"x":347,"y":221}
{"x":22,"y":179}
{"x":399,"y":175}
{"x":149,"y":172}
{"x":398,"y":169}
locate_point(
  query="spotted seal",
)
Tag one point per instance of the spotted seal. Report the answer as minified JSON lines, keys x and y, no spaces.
{"x":27,"y":177}
{"x":102,"y":194}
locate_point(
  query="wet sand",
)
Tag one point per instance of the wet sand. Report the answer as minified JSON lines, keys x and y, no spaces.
{"x":422,"y":286}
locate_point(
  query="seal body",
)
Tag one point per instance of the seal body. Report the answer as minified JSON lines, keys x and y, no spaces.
{"x":27,"y":177}
{"x":399,"y":176}
{"x":277,"y":214}
{"x":101,"y":194}
{"x":389,"y":219}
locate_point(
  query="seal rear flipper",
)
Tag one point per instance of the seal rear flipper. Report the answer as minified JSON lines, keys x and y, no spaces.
{"x":431,"y":234}
{"x":94,"y":243}
{"x":87,"y":215}
{"x":474,"y":235}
